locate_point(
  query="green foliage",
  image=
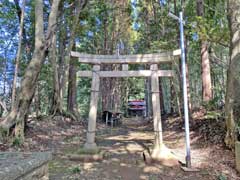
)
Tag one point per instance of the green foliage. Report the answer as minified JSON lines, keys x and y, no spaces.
{"x":157,"y":32}
{"x":17,"y":141}
{"x":222,"y":177}
{"x":3,"y":134}
{"x":210,"y":105}
{"x":83,"y":95}
{"x":213,"y":115}
{"x":136,"y":88}
{"x":153,"y":31}
{"x":75,"y":170}
{"x":45,"y":87}
{"x":143,"y":27}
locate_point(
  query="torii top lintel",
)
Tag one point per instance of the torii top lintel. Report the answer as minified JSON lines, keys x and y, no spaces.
{"x":126,"y":59}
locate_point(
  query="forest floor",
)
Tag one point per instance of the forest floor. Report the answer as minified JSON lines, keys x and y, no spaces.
{"x":124,"y":145}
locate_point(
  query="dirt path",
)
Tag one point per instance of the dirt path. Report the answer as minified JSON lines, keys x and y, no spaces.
{"x":124,"y":146}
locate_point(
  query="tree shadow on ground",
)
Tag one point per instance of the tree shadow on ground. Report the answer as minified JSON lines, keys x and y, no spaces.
{"x":124,"y":145}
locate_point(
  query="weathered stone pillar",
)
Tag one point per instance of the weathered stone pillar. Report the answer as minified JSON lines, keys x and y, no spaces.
{"x":160,"y":152}
{"x":90,"y":144}
{"x":158,"y":140}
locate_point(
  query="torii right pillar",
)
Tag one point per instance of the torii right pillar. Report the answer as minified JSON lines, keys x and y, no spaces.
{"x":160,"y":152}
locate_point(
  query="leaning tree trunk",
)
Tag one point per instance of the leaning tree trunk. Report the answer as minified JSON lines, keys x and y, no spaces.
{"x":19,"y":113}
{"x":232,"y":106}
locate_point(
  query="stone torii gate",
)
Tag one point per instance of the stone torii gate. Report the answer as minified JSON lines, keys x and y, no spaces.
{"x":124,"y":60}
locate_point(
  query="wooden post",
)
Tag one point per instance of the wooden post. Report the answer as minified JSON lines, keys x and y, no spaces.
{"x":156,"y":107}
{"x":90,"y":144}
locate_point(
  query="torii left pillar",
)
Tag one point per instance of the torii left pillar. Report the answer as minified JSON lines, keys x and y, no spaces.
{"x":92,"y":117}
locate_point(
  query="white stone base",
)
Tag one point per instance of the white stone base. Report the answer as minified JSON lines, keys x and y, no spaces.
{"x":164,"y":156}
{"x":90,"y":146}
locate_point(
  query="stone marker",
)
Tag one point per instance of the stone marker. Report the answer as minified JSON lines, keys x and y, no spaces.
{"x":24,"y":166}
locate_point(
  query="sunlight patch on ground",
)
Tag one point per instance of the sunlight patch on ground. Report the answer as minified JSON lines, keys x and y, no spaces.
{"x":115,"y":160}
{"x":128,"y":148}
{"x":88,"y":166}
{"x":119,"y":150}
{"x":133,"y":147}
{"x":43,"y":136}
{"x":132,"y":136}
{"x":152,"y":169}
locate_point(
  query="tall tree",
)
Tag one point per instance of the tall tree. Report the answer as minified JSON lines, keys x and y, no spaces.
{"x":112,"y":26}
{"x":206,"y":71}
{"x":61,"y":74}
{"x":58,"y":65}
{"x":20,"y":111}
{"x":56,"y":106}
{"x":72,"y":64}
{"x":72,"y":87}
{"x":232,"y":104}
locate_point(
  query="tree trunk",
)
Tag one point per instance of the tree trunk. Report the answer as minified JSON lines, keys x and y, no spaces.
{"x":206,"y":71}
{"x":172,"y":97}
{"x":187,"y":78}
{"x":18,"y":55}
{"x":79,"y":6}
{"x":5,"y":72}
{"x":4,"y":107}
{"x":148,"y":97}
{"x":72,"y":87}
{"x":61,"y":70}
{"x":232,"y":106}
{"x":56,"y":106}
{"x":163,"y":109}
{"x":37,"y":101}
{"x":117,"y":93}
{"x":20,"y":13}
{"x":180,"y":100}
{"x":19,"y":113}
{"x":106,"y":82}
